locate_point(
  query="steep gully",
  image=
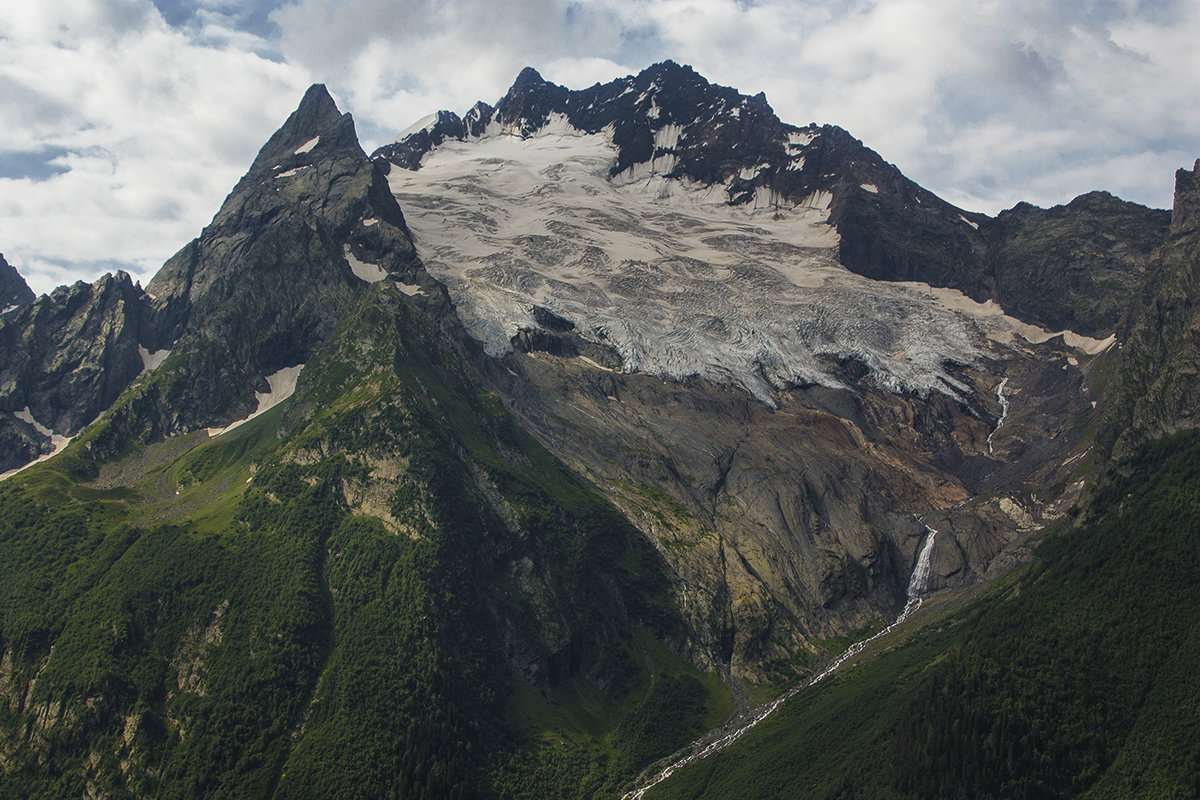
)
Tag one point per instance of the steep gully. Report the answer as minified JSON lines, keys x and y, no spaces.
{"x":722,"y":737}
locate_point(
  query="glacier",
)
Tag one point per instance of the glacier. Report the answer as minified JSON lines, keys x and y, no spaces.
{"x":678,"y":281}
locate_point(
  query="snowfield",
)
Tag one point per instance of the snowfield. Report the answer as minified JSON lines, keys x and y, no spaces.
{"x":679,"y":282}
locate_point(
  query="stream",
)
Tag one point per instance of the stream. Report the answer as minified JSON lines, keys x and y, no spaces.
{"x":717,"y":740}
{"x":1003,"y":412}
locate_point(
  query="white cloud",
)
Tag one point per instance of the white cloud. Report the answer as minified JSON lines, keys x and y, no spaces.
{"x":157,"y":129}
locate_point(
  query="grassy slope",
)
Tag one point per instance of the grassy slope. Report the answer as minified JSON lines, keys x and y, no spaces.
{"x":210,"y":619}
{"x":1077,"y":680}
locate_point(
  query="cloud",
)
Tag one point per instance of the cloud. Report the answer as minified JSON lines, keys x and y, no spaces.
{"x":396,"y":62}
{"x":149,"y":129}
{"x":109,"y":160}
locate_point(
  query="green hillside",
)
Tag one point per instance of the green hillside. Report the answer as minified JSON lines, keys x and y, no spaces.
{"x":381,"y":588}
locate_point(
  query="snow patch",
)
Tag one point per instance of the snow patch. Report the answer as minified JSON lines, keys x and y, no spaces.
{"x":371,"y":273}
{"x":307,"y":146}
{"x":667,"y":137}
{"x":26,"y":416}
{"x":152,"y":360}
{"x":283,"y":385}
{"x":369,"y":222}
{"x":798,"y":140}
{"x":423,"y":124}
{"x":295,"y":171}
{"x":974,"y":225}
{"x":57,"y":440}
{"x":1000,"y":327}
{"x":409,"y":289}
{"x":869,"y":187}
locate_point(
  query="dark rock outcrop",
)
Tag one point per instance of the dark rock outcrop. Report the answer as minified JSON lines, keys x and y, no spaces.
{"x":1075,"y":267}
{"x":65,"y":358}
{"x":14,"y":291}
{"x":1158,"y":369}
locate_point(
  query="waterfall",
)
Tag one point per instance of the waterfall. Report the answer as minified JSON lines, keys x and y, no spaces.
{"x":715,"y":741}
{"x":1003,"y":412}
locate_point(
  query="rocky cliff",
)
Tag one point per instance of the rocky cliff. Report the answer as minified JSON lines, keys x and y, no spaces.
{"x":1158,"y":370}
{"x":64,"y":359}
{"x":14,"y":292}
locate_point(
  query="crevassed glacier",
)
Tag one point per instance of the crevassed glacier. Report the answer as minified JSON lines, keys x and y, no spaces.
{"x":677,"y":280}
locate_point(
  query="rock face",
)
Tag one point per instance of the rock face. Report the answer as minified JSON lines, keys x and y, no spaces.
{"x":1159,"y":388}
{"x":787,"y":526}
{"x":307,"y":229}
{"x":1075,"y":267}
{"x":64,"y":359}
{"x":13,"y":289}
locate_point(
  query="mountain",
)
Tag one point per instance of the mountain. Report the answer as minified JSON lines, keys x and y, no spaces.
{"x":669,"y":121}
{"x":716,"y":259}
{"x":64,"y":359}
{"x":522,"y":453}
{"x":1159,"y":391}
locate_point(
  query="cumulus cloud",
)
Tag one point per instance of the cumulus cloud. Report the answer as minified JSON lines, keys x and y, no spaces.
{"x":144,"y":131}
{"x":396,"y":62}
{"x":126,"y":121}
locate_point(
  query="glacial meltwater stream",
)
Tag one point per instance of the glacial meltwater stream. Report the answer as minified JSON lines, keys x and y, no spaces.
{"x":1003,"y":412}
{"x":726,"y":735}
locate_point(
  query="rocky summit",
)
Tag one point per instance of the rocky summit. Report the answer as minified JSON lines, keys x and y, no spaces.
{"x":550,"y":449}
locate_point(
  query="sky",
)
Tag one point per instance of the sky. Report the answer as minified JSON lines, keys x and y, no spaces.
{"x":125,"y":123}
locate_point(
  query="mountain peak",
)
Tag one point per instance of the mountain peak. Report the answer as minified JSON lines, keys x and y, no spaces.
{"x":1185,"y":217}
{"x":528,"y":77}
{"x":14,"y":291}
{"x":671,"y":68}
{"x":316,"y":122}
{"x":530,"y":101}
{"x":318,"y":98}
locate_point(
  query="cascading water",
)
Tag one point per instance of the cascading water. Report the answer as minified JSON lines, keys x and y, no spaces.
{"x":1003,"y":412}
{"x":715,"y":741}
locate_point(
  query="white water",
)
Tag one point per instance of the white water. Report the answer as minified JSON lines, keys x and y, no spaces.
{"x":917,"y":588}
{"x":1003,"y":412}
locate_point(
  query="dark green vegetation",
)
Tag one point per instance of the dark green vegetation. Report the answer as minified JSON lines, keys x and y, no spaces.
{"x":1076,"y":678}
{"x":384,"y":588}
